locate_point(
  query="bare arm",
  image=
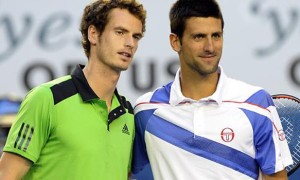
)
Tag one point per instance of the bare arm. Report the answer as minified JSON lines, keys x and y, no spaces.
{"x":13,"y":167}
{"x":281,"y":175}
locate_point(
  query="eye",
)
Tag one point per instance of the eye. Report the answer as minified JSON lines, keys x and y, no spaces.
{"x":217,"y":35}
{"x":198,"y":36}
{"x":137,"y":37}
{"x":120,"y":32}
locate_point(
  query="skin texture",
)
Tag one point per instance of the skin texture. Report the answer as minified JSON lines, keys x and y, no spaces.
{"x":199,"y":51}
{"x":110,"y":53}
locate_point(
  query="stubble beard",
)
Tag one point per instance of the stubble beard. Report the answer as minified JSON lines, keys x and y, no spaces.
{"x":204,"y":70}
{"x":119,"y":67}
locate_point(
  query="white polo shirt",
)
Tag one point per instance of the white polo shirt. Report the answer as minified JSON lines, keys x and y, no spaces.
{"x":230,"y":135}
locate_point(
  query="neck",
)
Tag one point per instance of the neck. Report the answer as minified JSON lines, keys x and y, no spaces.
{"x":197,"y":87}
{"x":102,"y":80}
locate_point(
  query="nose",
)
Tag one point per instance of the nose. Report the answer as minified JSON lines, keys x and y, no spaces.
{"x":209,"y":45}
{"x":129,"y":42}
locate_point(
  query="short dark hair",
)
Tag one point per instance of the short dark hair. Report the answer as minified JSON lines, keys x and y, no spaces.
{"x":96,"y":13}
{"x":185,"y":9}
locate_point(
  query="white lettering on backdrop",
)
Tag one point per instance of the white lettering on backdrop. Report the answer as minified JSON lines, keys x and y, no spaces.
{"x":40,"y":41}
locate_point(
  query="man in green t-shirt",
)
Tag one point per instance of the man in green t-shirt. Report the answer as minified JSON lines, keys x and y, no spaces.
{"x":78,"y":126}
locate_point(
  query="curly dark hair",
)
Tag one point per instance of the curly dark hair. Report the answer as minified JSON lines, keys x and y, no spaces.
{"x":96,"y":13}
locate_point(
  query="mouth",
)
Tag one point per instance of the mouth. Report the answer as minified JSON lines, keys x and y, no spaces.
{"x":208,"y":58}
{"x":209,"y":55}
{"x":125,"y":54}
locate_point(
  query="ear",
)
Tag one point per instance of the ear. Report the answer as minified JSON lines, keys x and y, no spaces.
{"x":175,"y":42}
{"x":92,"y":34}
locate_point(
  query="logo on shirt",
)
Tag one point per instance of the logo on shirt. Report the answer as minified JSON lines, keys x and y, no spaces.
{"x":227,"y":135}
{"x":125,"y":129}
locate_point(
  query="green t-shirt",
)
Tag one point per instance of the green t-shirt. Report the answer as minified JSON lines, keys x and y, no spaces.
{"x":67,"y":132}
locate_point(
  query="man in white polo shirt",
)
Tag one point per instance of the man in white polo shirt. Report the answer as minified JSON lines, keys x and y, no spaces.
{"x":205,"y":125}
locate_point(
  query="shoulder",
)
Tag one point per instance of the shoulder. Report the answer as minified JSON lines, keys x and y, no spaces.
{"x":237,"y":89}
{"x":154,"y":99}
{"x":244,"y":92}
{"x":44,"y":92}
{"x":159,"y":95}
{"x":238,"y":85}
{"x":145,"y":98}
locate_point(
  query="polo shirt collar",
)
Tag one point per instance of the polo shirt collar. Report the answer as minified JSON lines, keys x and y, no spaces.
{"x":176,"y":96}
{"x":87,"y":94}
{"x":83,"y":86}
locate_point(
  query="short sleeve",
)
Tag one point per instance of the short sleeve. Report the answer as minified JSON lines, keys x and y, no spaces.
{"x":31,"y":128}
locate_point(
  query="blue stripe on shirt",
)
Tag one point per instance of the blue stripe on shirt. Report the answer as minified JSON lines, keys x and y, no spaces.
{"x":203,"y":147}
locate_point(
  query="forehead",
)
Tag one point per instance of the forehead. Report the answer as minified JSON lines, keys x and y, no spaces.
{"x":203,"y":25}
{"x":123,"y":18}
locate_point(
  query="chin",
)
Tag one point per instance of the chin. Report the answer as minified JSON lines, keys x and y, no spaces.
{"x":121,"y":68}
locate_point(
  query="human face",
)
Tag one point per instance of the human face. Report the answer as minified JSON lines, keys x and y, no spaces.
{"x":119,"y":41}
{"x":200,"y":47}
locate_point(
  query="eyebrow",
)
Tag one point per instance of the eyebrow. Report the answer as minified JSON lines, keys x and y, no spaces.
{"x":124,"y":29}
{"x":204,"y":34}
